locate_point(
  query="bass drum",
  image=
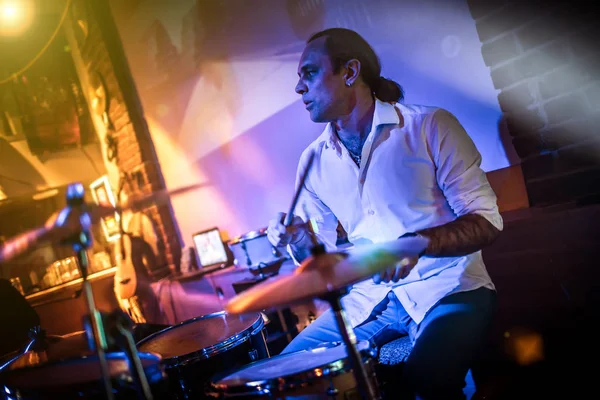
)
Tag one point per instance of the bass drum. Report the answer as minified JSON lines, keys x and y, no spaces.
{"x":30,"y":378}
{"x":199,"y":349}
{"x":320,"y":373}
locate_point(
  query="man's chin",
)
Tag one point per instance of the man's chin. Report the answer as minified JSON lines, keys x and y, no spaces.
{"x":316,"y":117}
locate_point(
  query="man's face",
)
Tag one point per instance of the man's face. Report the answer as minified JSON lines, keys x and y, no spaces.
{"x":323,"y":91}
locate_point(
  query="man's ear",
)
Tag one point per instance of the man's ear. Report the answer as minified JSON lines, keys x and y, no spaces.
{"x":352,"y":71}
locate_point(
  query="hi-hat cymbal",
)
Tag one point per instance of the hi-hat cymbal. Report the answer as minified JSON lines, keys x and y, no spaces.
{"x":317,"y":276}
{"x":57,"y":230}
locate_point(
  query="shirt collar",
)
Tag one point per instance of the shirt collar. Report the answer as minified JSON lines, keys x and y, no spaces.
{"x":385,"y":113}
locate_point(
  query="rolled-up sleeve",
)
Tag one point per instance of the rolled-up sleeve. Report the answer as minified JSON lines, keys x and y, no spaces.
{"x":458,"y":170}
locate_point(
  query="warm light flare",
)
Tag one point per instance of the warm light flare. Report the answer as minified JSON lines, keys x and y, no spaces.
{"x":526,"y":347}
{"x":10,"y":12}
{"x":15,"y":16}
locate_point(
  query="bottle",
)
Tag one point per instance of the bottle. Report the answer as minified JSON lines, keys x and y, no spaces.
{"x":16,"y":282}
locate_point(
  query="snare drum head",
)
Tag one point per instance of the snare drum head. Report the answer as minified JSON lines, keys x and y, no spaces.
{"x":290,"y":368}
{"x":208,"y":335}
{"x":72,"y":371}
{"x":253,"y":249}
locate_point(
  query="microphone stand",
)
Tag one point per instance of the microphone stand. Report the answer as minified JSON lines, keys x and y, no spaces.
{"x":80,"y":243}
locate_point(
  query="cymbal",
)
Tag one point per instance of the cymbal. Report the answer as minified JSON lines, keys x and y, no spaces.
{"x":62,"y":225}
{"x":53,"y":348}
{"x":317,"y":276}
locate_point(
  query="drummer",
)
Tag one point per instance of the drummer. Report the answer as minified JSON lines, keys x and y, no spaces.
{"x":386,"y":170}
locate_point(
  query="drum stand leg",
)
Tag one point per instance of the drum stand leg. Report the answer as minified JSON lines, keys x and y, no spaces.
{"x":81,"y":243}
{"x":120,"y":324}
{"x":95,"y":319}
{"x":365,"y":386}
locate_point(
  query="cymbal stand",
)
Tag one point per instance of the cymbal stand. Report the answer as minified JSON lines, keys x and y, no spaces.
{"x":81,"y":243}
{"x":119,"y":327}
{"x":365,"y":386}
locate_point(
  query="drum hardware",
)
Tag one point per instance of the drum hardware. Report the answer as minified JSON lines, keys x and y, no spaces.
{"x":365,"y":385}
{"x":196,"y":350}
{"x":76,"y":377}
{"x":277,"y":323}
{"x":71,"y":226}
{"x":328,"y":276}
{"x":254,"y":251}
{"x":80,"y":242}
{"x":323,"y":372}
{"x":95,"y":326}
{"x":253,"y":354}
{"x":248,"y":260}
{"x":37,"y":342}
{"x":95,"y":212}
{"x":118,"y":327}
{"x":97,"y":335}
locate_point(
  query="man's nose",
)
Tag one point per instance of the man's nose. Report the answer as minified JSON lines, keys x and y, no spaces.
{"x":301,"y":87}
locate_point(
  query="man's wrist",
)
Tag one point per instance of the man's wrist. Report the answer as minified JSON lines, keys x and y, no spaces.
{"x":415,"y":234}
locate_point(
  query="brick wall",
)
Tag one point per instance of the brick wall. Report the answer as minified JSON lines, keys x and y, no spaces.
{"x":545,"y":62}
{"x":101,"y":51}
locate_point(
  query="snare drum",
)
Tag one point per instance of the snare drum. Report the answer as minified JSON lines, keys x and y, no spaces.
{"x":79,"y":377}
{"x":253,"y":249}
{"x":194,"y":351}
{"x":320,"y":373}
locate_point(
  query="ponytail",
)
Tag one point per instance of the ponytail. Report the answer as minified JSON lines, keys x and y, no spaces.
{"x":343,"y":45}
{"x":388,"y":91}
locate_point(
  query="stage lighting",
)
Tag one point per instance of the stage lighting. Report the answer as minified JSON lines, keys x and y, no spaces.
{"x":15,"y":16}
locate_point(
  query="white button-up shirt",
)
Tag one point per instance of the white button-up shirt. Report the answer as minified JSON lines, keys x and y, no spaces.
{"x":419,"y":169}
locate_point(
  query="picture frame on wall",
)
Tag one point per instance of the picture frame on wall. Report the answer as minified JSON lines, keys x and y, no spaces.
{"x":103,"y":195}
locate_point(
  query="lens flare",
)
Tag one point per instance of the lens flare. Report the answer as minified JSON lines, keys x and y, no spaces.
{"x":15,"y":16}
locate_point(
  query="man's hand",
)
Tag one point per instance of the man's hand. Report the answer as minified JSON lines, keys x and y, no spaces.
{"x":279,"y":235}
{"x":399,"y":271}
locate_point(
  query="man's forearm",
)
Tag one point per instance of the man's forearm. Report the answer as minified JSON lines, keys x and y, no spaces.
{"x":465,"y":235}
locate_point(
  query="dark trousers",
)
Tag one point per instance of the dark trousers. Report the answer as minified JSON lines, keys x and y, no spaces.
{"x":444,"y":343}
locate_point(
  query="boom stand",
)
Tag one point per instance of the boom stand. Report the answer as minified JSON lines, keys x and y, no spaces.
{"x":80,"y":243}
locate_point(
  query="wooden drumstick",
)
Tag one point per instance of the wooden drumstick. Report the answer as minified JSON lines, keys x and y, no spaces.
{"x":287,"y":221}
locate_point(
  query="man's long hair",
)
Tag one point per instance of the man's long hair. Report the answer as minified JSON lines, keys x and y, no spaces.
{"x":343,"y":45}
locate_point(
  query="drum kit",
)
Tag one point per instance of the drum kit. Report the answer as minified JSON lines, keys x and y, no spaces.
{"x":221,"y":355}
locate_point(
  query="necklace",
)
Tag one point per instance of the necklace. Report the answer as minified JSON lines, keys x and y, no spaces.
{"x":355,"y":157}
{"x":354,"y":148}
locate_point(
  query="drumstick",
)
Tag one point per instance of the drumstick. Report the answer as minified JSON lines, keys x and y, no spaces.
{"x":287,"y":221}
